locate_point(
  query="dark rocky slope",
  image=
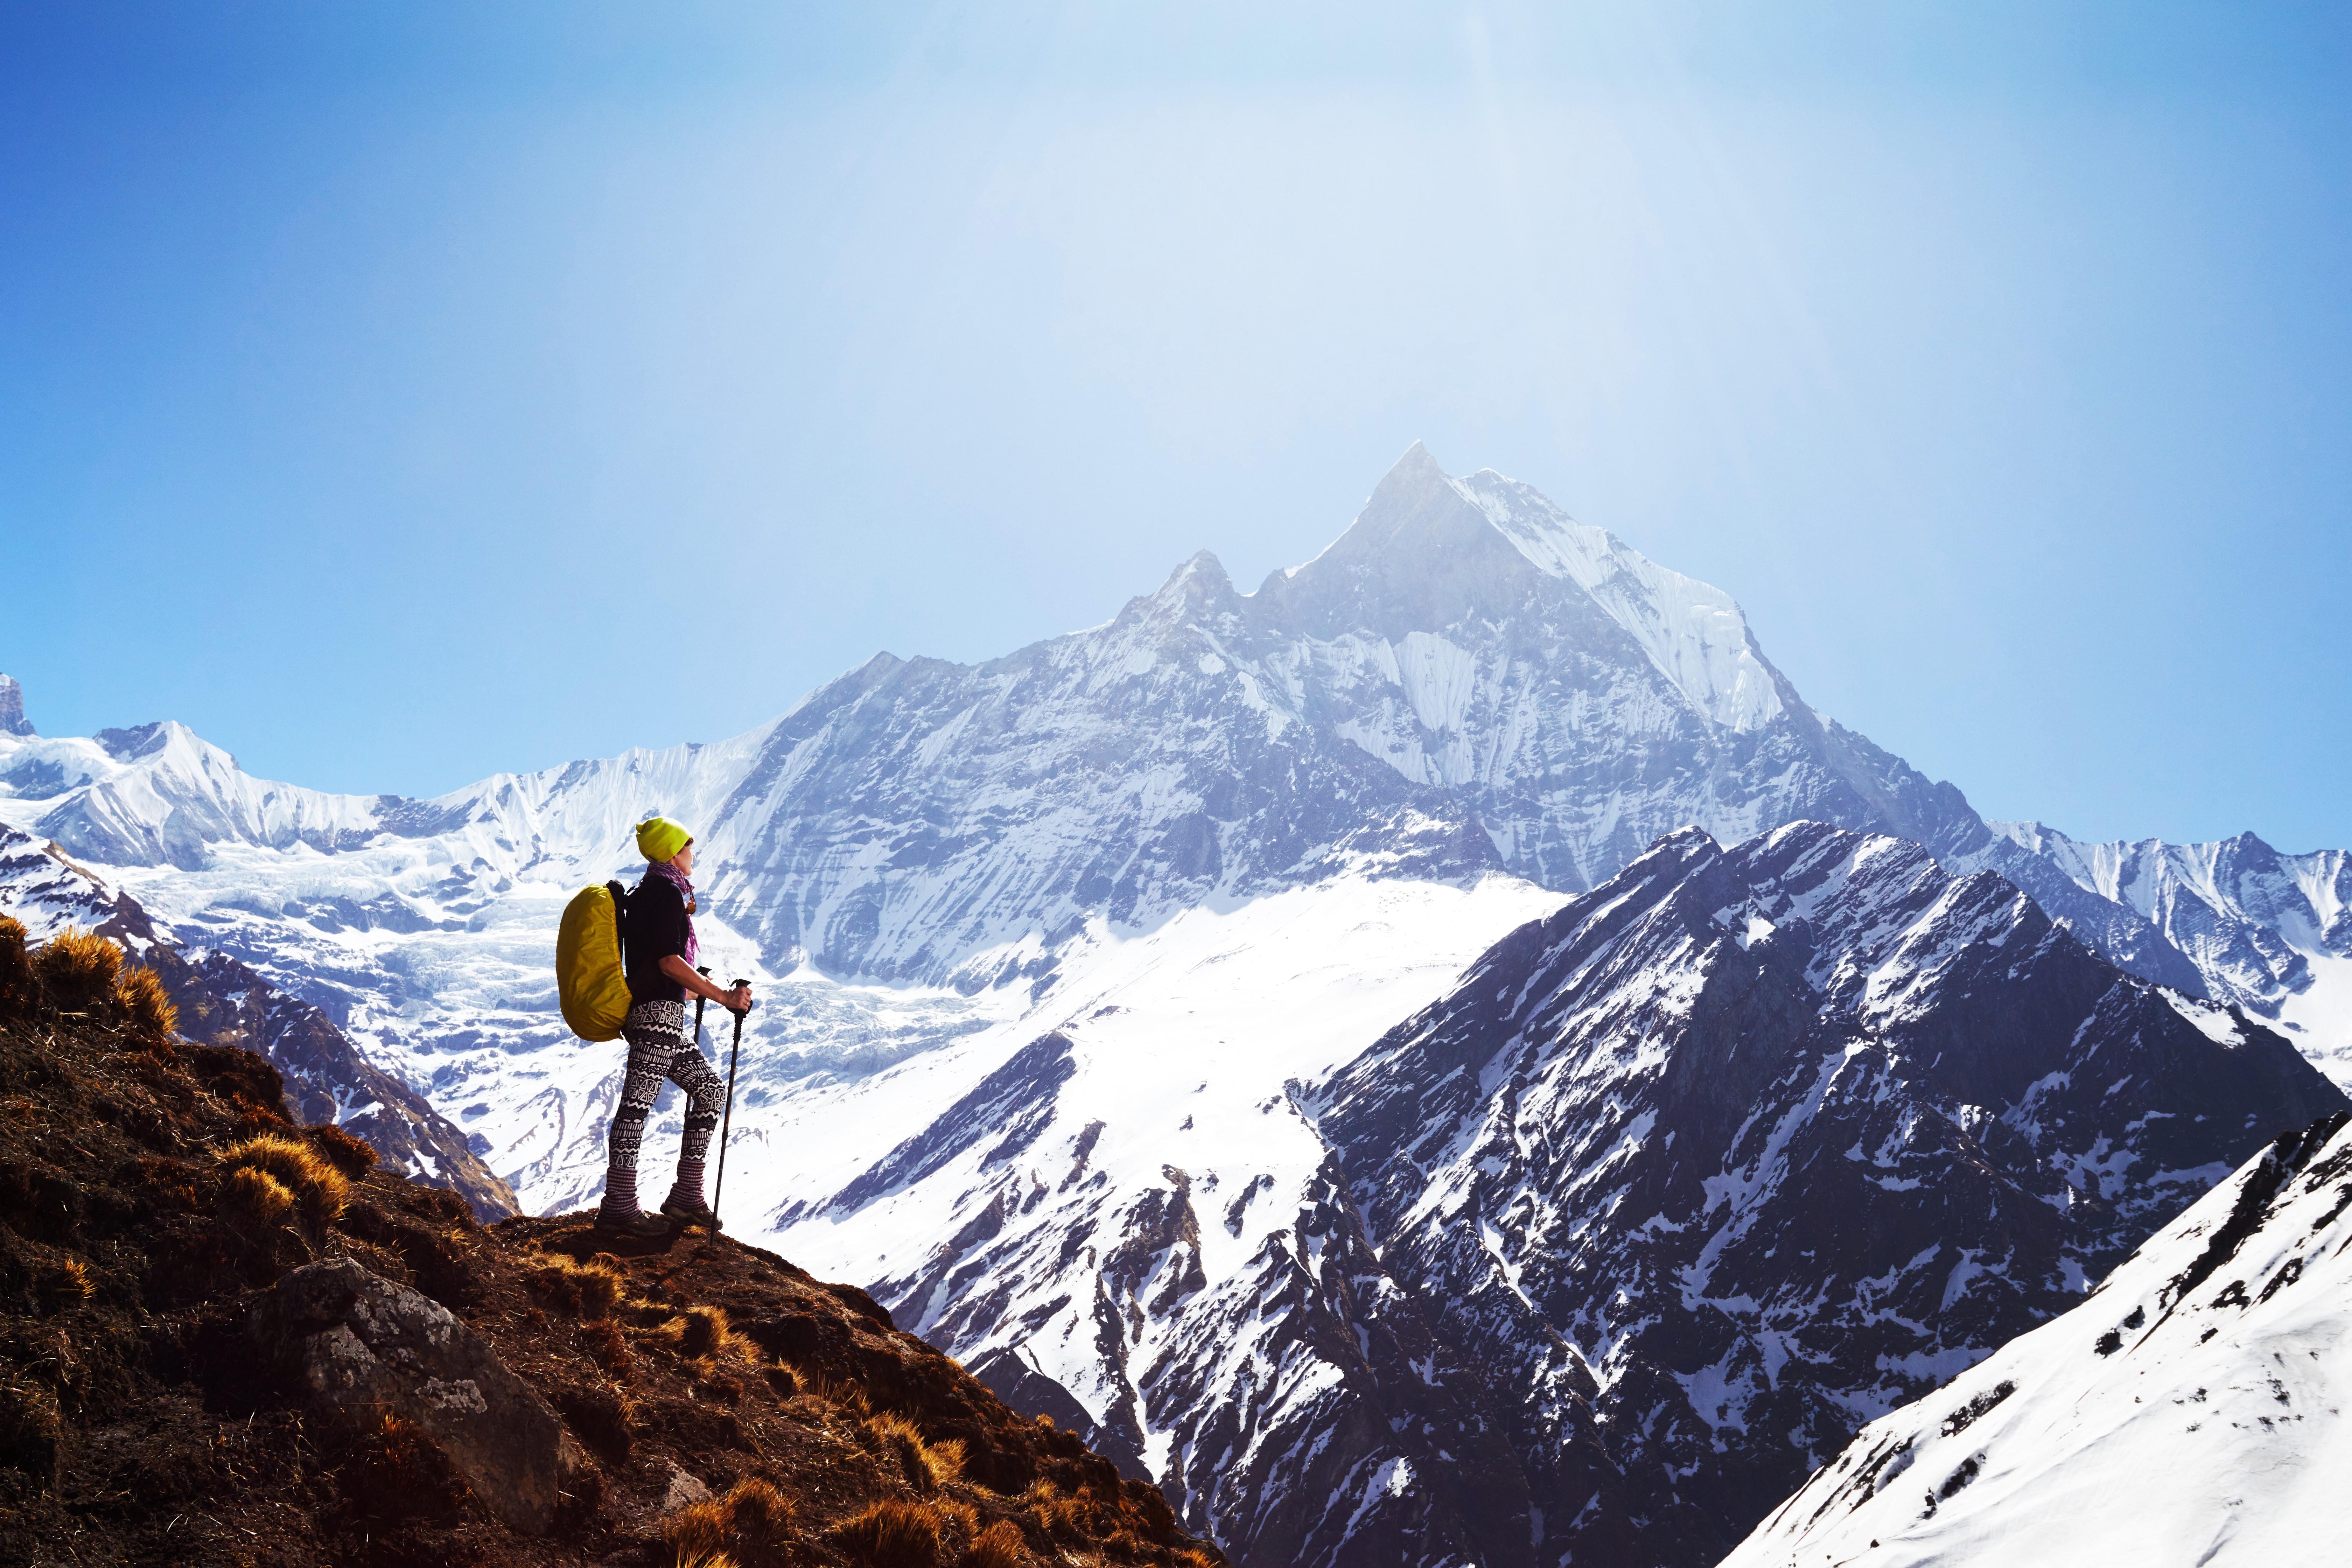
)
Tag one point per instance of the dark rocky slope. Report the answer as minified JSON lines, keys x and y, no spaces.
{"x":1749,"y":1146}
{"x":172,"y":1245}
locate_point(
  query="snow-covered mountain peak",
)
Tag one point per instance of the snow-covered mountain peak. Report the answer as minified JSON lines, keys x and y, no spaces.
{"x":12,"y":707}
{"x":2268,"y":931}
{"x":1693,"y":631}
{"x":1432,"y":543}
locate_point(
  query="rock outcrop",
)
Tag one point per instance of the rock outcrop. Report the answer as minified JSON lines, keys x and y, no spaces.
{"x":358,"y":1348}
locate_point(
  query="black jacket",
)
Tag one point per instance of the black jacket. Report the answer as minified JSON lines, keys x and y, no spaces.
{"x":658,"y":924}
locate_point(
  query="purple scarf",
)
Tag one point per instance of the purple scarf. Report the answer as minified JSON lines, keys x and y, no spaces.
{"x":676,"y":879}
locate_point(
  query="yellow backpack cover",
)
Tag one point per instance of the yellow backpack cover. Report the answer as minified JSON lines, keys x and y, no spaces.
{"x":589,"y":979}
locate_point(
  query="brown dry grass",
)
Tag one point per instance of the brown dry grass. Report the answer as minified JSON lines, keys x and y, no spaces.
{"x":590,"y":1290}
{"x":353,"y":1156}
{"x":322,"y":1191}
{"x":892,"y":1533}
{"x":752,"y":1525}
{"x":398,"y":1472}
{"x":141,"y":1000}
{"x":256,"y":1196}
{"x":16,"y":967}
{"x":66,"y":1285}
{"x":76,"y":970}
{"x":999,"y":1546}
{"x":844,"y":1396}
{"x":607,"y":1347}
{"x":927,"y":1465}
{"x":704,"y":1333}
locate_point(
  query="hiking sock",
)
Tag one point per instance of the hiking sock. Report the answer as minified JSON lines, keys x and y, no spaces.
{"x":619,"y":1188}
{"x":693,"y":1156}
{"x":621,"y":1171}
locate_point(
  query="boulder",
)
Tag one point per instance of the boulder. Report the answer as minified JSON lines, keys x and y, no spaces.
{"x":354,"y":1346}
{"x":684,"y":1491}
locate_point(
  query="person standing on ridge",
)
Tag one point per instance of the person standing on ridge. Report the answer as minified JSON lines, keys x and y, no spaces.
{"x":660,"y":952}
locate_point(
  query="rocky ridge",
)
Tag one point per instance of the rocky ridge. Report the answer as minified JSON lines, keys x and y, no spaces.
{"x":226,"y":1339}
{"x":1751,"y":1146}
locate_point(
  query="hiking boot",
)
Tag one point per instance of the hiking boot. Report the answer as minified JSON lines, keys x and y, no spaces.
{"x":645,"y":1226}
{"x":689,"y":1215}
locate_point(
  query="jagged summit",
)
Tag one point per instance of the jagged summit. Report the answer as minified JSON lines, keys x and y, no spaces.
{"x":1429,"y":549}
{"x":12,"y":707}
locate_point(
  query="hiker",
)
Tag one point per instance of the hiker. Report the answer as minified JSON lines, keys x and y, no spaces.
{"x":660,"y":952}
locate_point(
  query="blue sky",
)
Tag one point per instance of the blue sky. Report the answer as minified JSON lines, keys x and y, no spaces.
{"x":378,"y":381}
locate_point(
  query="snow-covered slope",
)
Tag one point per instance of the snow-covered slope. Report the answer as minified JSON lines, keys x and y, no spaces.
{"x":1113,"y":1201}
{"x":2191,"y":1412}
{"x":2263,"y":931}
{"x":1748,"y":1146}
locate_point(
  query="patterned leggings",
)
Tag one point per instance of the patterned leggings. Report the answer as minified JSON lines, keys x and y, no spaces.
{"x":661,"y":1048}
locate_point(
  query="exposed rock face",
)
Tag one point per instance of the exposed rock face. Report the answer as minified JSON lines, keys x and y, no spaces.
{"x":2253,"y":928}
{"x":355,"y":1346}
{"x":1749,"y":1146}
{"x":12,"y":707}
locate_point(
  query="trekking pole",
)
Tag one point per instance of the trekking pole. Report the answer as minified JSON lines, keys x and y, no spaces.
{"x":719,"y":1188}
{"x":703,"y":970}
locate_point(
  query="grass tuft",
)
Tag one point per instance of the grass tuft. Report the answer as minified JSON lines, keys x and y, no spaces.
{"x":76,"y":970}
{"x":354,"y":1157}
{"x":752,"y":1525}
{"x":398,"y":1472}
{"x":999,"y":1546}
{"x":591,"y":1290}
{"x":700,"y":1331}
{"x":143,"y":1003}
{"x":892,"y":1533}
{"x":927,"y":1466}
{"x":606,"y":1346}
{"x":846,"y":1397}
{"x":254,"y":1195}
{"x":323,"y":1191}
{"x":17,"y":987}
{"x":66,"y":1285}
{"x":761,"y":1517}
{"x":696,"y":1532}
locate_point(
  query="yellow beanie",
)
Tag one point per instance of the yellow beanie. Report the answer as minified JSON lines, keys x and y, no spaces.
{"x":659,"y":838}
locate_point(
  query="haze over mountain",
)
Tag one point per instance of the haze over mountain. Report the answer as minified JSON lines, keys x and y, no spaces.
{"x":1084,"y":970}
